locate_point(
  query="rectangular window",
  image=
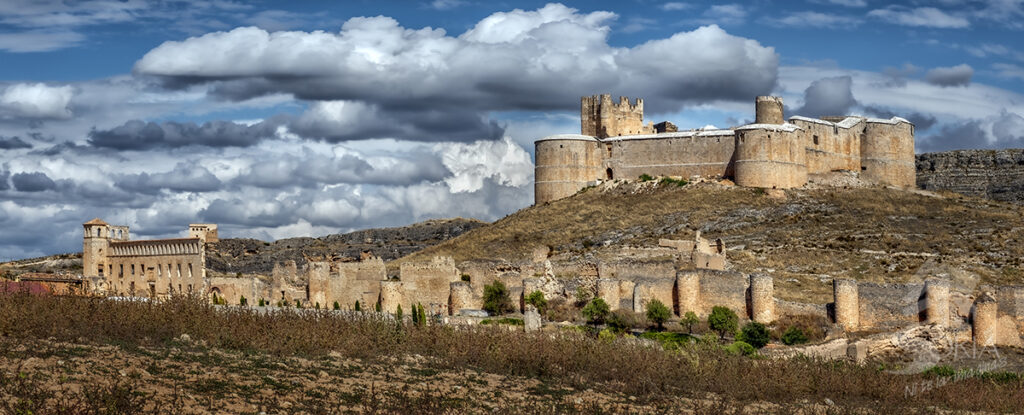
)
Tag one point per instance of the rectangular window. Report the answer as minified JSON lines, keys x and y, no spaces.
{"x":100,"y":270}
{"x":121,"y":273}
{"x":179,"y":270}
{"x":190,"y":270}
{"x":133,"y":269}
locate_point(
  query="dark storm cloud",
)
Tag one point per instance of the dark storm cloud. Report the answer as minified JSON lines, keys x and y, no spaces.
{"x":183,"y":178}
{"x":32,"y":182}
{"x":13,"y":143}
{"x":959,"y":75}
{"x":139,"y":135}
{"x":828,"y":96}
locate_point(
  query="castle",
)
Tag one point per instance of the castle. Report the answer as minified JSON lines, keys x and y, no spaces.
{"x":770,"y":153}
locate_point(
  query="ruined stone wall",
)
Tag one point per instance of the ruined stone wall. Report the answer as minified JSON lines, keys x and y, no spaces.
{"x":887,"y":152}
{"x":600,"y":117}
{"x":647,"y":289}
{"x":233,"y":289}
{"x":770,"y":157}
{"x":564,"y":165}
{"x":831,"y":146}
{"x":349,"y":282}
{"x":429,"y":283}
{"x":635,"y":269}
{"x":721,"y":288}
{"x":991,"y":174}
{"x":157,"y":268}
{"x":683,"y":154}
{"x":890,"y":305}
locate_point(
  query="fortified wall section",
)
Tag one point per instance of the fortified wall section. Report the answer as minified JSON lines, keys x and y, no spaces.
{"x":679,"y":154}
{"x":601,"y":118}
{"x":887,"y":152}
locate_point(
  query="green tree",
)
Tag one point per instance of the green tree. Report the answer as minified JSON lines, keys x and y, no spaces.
{"x":398,"y":313}
{"x":377,"y":307}
{"x":754,"y":334}
{"x":422,"y":314}
{"x":537,"y":299}
{"x":723,"y":320}
{"x":298,"y":304}
{"x":317,"y":306}
{"x":597,"y":311}
{"x":794,"y":335}
{"x":688,"y":320}
{"x":658,"y":313}
{"x":262,"y":303}
{"x":415,"y":317}
{"x":337,"y":306}
{"x":243,"y":302}
{"x":496,"y":300}
{"x":358,"y":308}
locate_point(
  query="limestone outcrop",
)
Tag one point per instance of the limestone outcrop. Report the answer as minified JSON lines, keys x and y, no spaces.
{"x":991,"y":174}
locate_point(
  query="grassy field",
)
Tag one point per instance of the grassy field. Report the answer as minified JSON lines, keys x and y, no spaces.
{"x":81,"y":355}
{"x":804,"y":238}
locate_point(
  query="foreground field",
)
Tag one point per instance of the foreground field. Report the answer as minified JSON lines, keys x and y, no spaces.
{"x":183,"y":356}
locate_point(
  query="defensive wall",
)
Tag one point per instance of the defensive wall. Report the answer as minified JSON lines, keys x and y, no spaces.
{"x":770,"y":153}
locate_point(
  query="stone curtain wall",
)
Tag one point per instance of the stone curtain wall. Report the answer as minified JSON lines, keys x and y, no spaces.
{"x":991,"y":174}
{"x":684,"y":154}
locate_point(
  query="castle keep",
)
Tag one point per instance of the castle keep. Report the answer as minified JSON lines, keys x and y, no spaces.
{"x":770,"y":153}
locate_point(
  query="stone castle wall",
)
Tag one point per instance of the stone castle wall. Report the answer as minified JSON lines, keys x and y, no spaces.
{"x":770,"y":157}
{"x":831,"y":146}
{"x":601,"y":118}
{"x":564,"y":165}
{"x":887,"y":153}
{"x":681,"y":154}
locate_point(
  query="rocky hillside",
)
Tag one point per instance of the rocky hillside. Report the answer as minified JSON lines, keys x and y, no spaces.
{"x":252,"y":256}
{"x":992,"y":174}
{"x":803,"y":237}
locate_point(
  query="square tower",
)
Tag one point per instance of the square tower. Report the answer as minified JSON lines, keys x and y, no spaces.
{"x":601,"y":118}
{"x":207,"y":232}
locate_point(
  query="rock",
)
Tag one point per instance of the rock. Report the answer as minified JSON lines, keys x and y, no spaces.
{"x":184,"y":338}
{"x":992,"y":174}
{"x":532,"y":319}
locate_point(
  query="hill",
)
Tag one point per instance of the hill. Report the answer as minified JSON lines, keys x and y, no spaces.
{"x":804,"y":237}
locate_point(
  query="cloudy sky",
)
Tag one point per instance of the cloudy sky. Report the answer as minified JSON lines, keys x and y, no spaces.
{"x":279,"y":119}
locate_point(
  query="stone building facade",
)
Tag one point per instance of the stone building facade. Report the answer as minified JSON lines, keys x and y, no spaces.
{"x":771,"y":153}
{"x":145,"y":268}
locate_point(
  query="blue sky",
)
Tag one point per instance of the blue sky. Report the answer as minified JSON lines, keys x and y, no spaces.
{"x":280,"y":119}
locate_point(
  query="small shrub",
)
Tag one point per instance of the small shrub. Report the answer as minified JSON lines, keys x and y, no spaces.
{"x":794,"y":335}
{"x":317,"y":306}
{"x":337,"y":306}
{"x":646,"y":177}
{"x":242,"y":301}
{"x":596,"y":312}
{"x":358,"y":308}
{"x":669,"y":340}
{"x":741,"y":348}
{"x":398,"y":313}
{"x":422,"y":315}
{"x":671,"y":181}
{"x":755,"y":334}
{"x":537,"y":300}
{"x":723,"y":321}
{"x":262,"y":303}
{"x":606,"y":335}
{"x":620,"y":321}
{"x":376,"y":307}
{"x":298,"y":304}
{"x":496,"y":300}
{"x":658,"y":313}
{"x":583,"y":296}
{"x":414,"y":315}
{"x":507,"y":321}
{"x":688,"y":320}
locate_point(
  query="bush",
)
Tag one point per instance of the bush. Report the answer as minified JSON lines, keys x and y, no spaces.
{"x":358,"y":308}
{"x":723,"y":321}
{"x":376,"y":307}
{"x":317,"y":306}
{"x":337,"y":306}
{"x":794,"y":335}
{"x":621,"y":321}
{"x":262,"y":303}
{"x":242,"y":301}
{"x":668,"y":340}
{"x":755,"y":334}
{"x":583,"y":296}
{"x":496,"y":299}
{"x":741,"y":348}
{"x":507,"y":321}
{"x":671,"y":181}
{"x":606,"y":335}
{"x":646,"y":177}
{"x":596,"y":312}
{"x":398,"y":313}
{"x":688,"y":320}
{"x":658,"y":313}
{"x":298,"y":304}
{"x":536,"y":299}
{"x":812,"y":326}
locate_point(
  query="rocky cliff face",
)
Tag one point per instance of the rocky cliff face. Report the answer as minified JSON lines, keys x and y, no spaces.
{"x":992,"y":174}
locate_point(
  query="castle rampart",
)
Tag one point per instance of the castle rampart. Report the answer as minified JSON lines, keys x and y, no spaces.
{"x":614,"y":144}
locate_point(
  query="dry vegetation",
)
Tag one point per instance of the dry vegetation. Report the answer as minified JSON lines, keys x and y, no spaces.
{"x":87,"y":355}
{"x":804,"y":239}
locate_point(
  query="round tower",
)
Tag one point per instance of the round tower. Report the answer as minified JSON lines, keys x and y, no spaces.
{"x":688,"y":291}
{"x":770,"y":157}
{"x":847,"y":304}
{"x":936,"y":298}
{"x":608,"y":290}
{"x":565,"y":164}
{"x":762,"y":298}
{"x":461,"y":297}
{"x":768,"y":110}
{"x":887,"y":152}
{"x":391,"y":296}
{"x":984,"y":320}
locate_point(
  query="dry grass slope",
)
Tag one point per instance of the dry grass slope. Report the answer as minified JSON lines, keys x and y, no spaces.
{"x":805,"y":238}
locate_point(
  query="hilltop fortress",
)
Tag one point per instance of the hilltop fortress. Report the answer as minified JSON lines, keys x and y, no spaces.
{"x":614,"y":143}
